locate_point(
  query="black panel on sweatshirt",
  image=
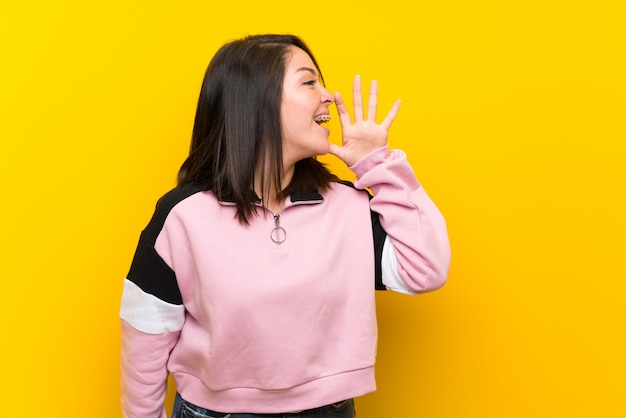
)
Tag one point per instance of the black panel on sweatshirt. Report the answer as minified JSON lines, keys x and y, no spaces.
{"x":379,"y":242}
{"x":148,"y":270}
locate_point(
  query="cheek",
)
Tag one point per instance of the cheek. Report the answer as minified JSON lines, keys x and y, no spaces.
{"x":289,"y":111}
{"x":295,"y":119}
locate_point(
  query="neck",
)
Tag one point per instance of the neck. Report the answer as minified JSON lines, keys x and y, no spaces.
{"x":272,"y":199}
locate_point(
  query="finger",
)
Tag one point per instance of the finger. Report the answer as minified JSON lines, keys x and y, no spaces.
{"x":342,"y":110}
{"x":372,"y":102}
{"x":357,"y":98}
{"x":391,"y":115}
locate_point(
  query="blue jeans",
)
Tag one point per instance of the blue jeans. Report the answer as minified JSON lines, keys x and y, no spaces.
{"x":343,"y":409}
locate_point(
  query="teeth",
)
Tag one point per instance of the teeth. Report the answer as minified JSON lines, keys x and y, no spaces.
{"x":321,"y":118}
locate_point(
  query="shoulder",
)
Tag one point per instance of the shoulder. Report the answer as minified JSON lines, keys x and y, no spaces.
{"x":166,"y":203}
{"x":344,"y":186}
{"x":343,"y":194}
{"x":170,"y":199}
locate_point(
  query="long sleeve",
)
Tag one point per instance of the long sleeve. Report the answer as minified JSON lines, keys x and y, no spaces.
{"x":418,"y":249}
{"x":150,"y":330}
{"x":144,"y":373}
{"x":152,"y":314}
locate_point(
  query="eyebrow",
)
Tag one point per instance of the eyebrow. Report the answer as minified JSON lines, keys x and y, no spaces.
{"x":310,"y":70}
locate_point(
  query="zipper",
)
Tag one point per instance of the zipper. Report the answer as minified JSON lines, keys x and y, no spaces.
{"x":278,"y":234}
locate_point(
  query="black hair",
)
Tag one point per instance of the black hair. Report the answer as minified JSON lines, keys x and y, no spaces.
{"x":237,"y":125}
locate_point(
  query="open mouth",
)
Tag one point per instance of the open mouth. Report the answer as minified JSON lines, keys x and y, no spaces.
{"x":321,"y":119}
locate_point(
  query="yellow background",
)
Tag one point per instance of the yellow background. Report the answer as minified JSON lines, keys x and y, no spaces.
{"x":513,"y":117}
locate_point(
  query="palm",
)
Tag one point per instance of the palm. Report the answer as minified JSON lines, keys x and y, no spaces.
{"x":363,"y":135}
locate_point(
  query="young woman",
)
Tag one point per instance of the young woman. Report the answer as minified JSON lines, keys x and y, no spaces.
{"x":253,"y":283}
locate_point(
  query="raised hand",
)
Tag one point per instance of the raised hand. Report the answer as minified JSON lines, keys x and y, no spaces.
{"x":363,"y":135}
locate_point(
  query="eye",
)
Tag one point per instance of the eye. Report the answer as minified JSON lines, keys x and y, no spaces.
{"x":310,"y":82}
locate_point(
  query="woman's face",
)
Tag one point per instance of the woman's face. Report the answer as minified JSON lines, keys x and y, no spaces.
{"x":304,"y":108}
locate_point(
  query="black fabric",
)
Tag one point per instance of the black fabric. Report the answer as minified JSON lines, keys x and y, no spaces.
{"x":379,"y":241}
{"x":148,"y":270}
{"x":310,"y":195}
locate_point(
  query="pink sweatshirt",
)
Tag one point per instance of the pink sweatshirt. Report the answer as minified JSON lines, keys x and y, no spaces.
{"x":248,"y":325}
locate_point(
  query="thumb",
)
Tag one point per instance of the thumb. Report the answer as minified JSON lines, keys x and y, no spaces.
{"x":344,"y":154}
{"x":337,"y":151}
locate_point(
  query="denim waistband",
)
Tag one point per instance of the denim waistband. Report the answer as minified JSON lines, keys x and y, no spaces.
{"x":342,"y":409}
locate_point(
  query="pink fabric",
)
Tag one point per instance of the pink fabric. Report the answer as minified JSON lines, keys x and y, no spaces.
{"x":144,"y":376}
{"x":271,"y":328}
{"x":408,"y":215}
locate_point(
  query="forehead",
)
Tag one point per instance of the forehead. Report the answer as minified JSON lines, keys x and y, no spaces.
{"x":298,"y":61}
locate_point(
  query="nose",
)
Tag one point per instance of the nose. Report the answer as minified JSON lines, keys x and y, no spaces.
{"x":327,"y":97}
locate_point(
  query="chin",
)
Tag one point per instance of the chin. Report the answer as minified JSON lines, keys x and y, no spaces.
{"x":323,"y":150}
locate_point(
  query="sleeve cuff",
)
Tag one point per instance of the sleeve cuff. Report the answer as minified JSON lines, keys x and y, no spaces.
{"x":371,"y":160}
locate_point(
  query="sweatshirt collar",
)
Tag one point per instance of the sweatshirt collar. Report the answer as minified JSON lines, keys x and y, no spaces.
{"x":310,"y":196}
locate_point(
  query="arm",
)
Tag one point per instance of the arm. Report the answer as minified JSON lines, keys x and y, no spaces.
{"x":150,"y":329}
{"x":144,"y":373}
{"x":416,"y":254}
{"x":152,"y":316}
